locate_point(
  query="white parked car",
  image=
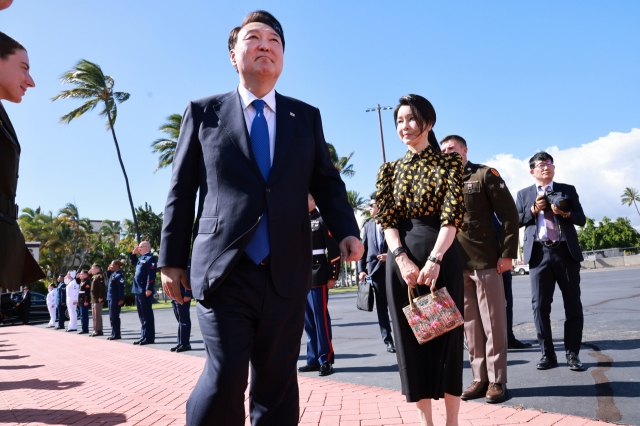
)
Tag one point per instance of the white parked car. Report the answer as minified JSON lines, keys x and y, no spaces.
{"x":521,"y":269}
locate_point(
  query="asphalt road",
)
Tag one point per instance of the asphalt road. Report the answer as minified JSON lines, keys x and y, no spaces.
{"x":608,"y":390}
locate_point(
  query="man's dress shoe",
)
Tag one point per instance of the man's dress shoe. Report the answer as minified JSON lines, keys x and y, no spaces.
{"x":83,"y":332}
{"x":391,"y":348}
{"x":547,"y":362}
{"x":183,"y":348}
{"x":173,"y":349}
{"x":517,"y":344}
{"x":496,"y":392}
{"x":306,"y":368}
{"x":326,"y":369}
{"x":71,"y":329}
{"x":137,"y":342}
{"x":574,"y":362}
{"x":114,"y":338}
{"x":145,"y":342}
{"x":475,"y":390}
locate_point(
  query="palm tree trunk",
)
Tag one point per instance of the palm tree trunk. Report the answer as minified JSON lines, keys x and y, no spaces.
{"x":126,"y":179}
{"x":636,"y":204}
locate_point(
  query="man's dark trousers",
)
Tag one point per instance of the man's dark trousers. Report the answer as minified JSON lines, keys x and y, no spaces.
{"x":114,"y":317}
{"x":238,"y":322}
{"x":61,"y":317}
{"x":507,"y":280}
{"x":84,"y":317}
{"x":546,"y":267}
{"x":145,"y":313}
{"x":317,"y":324}
{"x":380,"y":291}
{"x":181,"y":313}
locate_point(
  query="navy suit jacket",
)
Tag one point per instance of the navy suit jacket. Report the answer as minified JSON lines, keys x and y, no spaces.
{"x":214,"y":156}
{"x":526,"y":198}
{"x":369,"y":262}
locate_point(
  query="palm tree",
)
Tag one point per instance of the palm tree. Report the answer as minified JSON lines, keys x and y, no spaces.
{"x":341,"y":163}
{"x":166,"y":147}
{"x":357,"y":202}
{"x":629,"y":196}
{"x":111,"y":230}
{"x":97,"y":88}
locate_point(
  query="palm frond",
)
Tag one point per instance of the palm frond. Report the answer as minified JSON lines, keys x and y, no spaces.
{"x":78,"y":112}
{"x":121,"y":96}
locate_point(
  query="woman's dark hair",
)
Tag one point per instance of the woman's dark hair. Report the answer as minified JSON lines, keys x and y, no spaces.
{"x":539,"y":156}
{"x":424,"y":114}
{"x":8,"y":46}
{"x":261,"y":16}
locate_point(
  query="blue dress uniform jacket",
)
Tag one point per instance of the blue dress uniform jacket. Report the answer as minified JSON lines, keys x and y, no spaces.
{"x":115,"y":289}
{"x":317,"y":322}
{"x":146,"y":269}
{"x":61,"y":299}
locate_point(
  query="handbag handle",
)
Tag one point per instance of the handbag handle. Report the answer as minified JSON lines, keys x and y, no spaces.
{"x":412,"y":296}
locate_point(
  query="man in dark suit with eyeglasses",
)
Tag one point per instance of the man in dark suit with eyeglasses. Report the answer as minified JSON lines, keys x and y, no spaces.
{"x":552,"y":251}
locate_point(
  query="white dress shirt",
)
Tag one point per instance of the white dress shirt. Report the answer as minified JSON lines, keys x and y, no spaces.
{"x":246,"y":97}
{"x":541,"y":235}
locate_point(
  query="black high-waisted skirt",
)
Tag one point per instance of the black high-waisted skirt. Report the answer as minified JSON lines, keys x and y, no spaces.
{"x":434,"y":368}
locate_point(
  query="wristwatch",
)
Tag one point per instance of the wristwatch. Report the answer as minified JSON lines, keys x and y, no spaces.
{"x":434,"y":260}
{"x":397,"y":252}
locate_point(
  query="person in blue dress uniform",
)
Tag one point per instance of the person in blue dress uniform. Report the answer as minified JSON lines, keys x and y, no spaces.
{"x":61,"y":302}
{"x":184,"y":319}
{"x":317,"y":322}
{"x":144,"y":288}
{"x":115,"y":297}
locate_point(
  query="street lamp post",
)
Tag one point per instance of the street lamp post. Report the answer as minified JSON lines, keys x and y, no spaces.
{"x":379,"y":108}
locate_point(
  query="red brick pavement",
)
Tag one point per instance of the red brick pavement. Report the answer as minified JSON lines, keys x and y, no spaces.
{"x":54,"y":378}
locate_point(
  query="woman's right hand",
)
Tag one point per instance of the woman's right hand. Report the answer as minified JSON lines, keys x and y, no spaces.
{"x":408,"y":270}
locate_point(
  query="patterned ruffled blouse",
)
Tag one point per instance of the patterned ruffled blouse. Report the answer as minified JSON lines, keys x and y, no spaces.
{"x":421,"y":184}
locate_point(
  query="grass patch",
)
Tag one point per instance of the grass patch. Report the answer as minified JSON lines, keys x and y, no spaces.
{"x":161,"y":304}
{"x":338,"y":290}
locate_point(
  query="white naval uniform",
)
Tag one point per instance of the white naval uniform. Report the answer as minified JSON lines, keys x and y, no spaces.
{"x":51,"y":305}
{"x":73,"y":289}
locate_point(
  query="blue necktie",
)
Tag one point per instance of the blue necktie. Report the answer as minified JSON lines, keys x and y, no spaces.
{"x":260,"y":246}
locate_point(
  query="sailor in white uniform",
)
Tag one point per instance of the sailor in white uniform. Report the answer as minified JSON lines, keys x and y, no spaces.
{"x":73,"y":290}
{"x":51,"y":305}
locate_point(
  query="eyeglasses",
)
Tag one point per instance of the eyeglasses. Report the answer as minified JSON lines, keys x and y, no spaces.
{"x":543,"y":164}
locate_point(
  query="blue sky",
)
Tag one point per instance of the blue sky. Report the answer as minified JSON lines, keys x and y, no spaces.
{"x":511,"y":77}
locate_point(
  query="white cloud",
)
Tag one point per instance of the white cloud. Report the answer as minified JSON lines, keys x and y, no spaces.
{"x":599,"y":170}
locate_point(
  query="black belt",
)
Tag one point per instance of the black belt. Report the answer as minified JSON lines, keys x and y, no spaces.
{"x":245,"y":258}
{"x":551,"y":244}
{"x":8,"y":207}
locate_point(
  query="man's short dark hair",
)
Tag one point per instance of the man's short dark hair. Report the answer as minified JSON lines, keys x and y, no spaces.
{"x":372,"y":197}
{"x":261,"y":16}
{"x":457,"y":138}
{"x":422,"y":110}
{"x":539,"y":156}
{"x":8,"y":46}
{"x":97,"y":265}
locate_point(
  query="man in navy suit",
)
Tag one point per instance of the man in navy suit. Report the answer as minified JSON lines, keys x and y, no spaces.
{"x":551,"y":249}
{"x":251,"y":156}
{"x":372,"y":265}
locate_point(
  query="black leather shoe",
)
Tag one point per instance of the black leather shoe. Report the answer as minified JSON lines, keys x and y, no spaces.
{"x":391,"y":348}
{"x":173,"y":349}
{"x":97,"y":333}
{"x":84,"y":332}
{"x":137,"y":342}
{"x":307,"y":368}
{"x":57,"y":328}
{"x":145,"y":342}
{"x":114,"y":338}
{"x":69,"y":330}
{"x":574,"y":362}
{"x":517,"y":344}
{"x":183,"y":348}
{"x":547,"y":362}
{"x":326,"y":369}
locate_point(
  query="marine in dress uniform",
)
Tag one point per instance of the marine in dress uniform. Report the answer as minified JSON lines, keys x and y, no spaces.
{"x":84,"y":301}
{"x":51,"y":305}
{"x":115,"y":296}
{"x":317,"y":322}
{"x":181,"y":311}
{"x":144,"y":289}
{"x":484,"y":258}
{"x":73,"y":291}
{"x":61,"y":302}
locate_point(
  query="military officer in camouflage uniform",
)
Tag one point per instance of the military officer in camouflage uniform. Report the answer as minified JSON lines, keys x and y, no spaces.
{"x":485,"y":256}
{"x":324,"y":273}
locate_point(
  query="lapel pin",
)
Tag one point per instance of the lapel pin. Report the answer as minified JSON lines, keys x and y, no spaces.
{"x":292,"y":114}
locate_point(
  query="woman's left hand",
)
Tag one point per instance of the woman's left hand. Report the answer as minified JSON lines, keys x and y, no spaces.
{"x":429,"y":275}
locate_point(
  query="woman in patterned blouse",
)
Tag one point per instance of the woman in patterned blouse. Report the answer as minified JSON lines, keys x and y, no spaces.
{"x":421,"y":207}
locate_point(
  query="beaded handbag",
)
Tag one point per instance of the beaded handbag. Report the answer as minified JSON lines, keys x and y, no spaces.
{"x":432,"y":315}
